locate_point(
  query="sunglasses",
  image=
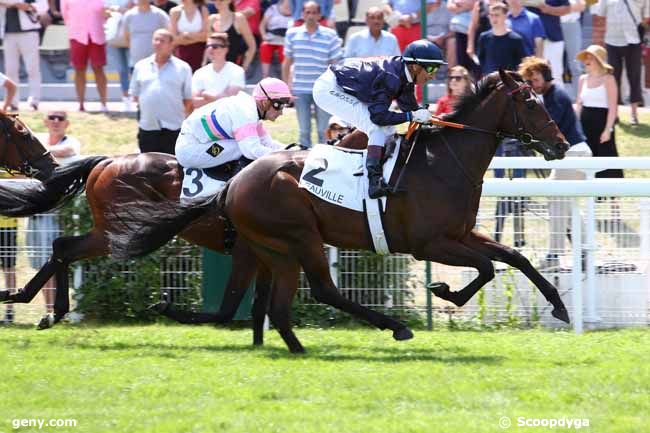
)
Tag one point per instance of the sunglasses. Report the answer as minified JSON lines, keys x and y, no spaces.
{"x":455,"y":78}
{"x":56,"y":117}
{"x":215,"y":46}
{"x":431,"y":68}
{"x":337,"y":128}
{"x":277,"y":104}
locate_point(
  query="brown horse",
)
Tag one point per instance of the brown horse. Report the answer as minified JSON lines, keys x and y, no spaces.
{"x":20,"y":150}
{"x":434,"y":220}
{"x":156,"y":176}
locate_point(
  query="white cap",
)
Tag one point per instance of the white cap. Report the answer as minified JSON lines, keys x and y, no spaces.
{"x":337,"y":120}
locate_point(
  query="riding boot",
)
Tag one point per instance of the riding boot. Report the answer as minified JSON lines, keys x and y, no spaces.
{"x":376,"y":185}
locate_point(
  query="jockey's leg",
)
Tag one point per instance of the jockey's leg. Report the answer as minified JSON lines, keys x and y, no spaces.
{"x":331,"y":98}
{"x":193,"y":153}
{"x":377,"y":187}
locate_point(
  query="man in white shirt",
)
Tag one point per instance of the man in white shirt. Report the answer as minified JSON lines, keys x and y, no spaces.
{"x":218,"y":79}
{"x":43,"y":229}
{"x":162,"y":86}
{"x":373,"y":41}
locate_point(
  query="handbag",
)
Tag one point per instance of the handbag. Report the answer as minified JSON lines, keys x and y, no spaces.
{"x":460,"y":22}
{"x":114,"y":30}
{"x":639,"y":26}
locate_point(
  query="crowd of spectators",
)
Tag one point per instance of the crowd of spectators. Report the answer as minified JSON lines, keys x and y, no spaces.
{"x":172,"y":57}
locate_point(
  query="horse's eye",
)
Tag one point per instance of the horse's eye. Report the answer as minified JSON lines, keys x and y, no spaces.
{"x":531,"y":103}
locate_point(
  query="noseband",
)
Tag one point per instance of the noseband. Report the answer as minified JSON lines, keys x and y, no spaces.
{"x":27,"y":164}
{"x":522,"y":136}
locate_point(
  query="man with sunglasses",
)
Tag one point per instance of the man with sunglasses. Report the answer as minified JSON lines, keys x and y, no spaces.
{"x":361,"y":93}
{"x":231,"y":128}
{"x":218,"y":79}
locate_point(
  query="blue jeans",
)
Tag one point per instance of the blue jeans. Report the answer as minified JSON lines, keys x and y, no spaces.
{"x":304,"y":102}
{"x":118,"y":58}
{"x":509,"y":147}
{"x":573,"y":44}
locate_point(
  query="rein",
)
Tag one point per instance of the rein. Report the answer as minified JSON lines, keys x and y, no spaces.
{"x":523,"y":137}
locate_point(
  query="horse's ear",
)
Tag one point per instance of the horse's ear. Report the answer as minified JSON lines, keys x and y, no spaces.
{"x":509,"y":82}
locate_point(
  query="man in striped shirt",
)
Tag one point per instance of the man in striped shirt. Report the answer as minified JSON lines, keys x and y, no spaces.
{"x":310,"y":48}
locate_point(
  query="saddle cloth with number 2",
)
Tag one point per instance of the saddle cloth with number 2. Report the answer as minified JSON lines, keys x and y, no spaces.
{"x":339,"y":176}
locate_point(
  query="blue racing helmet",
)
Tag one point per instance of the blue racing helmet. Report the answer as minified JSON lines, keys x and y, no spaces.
{"x":423,"y":53}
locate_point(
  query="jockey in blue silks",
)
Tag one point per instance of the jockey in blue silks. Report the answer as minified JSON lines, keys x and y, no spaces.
{"x":362,"y":91}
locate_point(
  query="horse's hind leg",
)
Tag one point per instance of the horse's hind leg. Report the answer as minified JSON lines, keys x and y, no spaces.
{"x":26,"y":294}
{"x":244,"y":267}
{"x":502,"y":253}
{"x":65,"y":251}
{"x":261,"y":303}
{"x":285,"y":284}
{"x":454,"y":253}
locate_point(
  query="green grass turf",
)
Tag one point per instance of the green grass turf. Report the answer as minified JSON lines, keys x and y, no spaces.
{"x":198,"y":379}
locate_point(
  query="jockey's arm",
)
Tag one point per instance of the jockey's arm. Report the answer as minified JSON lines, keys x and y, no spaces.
{"x":252,"y":148}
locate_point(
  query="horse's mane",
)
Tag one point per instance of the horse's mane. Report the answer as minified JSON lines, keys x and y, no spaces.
{"x":475,"y":94}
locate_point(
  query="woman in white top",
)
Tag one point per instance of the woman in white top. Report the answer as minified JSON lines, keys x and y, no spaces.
{"x":597,"y":104}
{"x":189,"y":25}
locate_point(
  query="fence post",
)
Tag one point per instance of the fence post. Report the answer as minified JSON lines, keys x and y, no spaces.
{"x":333,"y":258}
{"x":427,"y":279}
{"x":591,"y":315}
{"x":644,"y":227}
{"x":576,"y":271}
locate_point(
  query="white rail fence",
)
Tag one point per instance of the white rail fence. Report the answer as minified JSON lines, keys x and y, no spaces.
{"x":613,"y":241}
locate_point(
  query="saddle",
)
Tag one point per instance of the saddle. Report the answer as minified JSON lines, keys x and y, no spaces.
{"x":227,"y":171}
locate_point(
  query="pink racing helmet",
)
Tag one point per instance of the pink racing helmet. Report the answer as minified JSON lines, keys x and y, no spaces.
{"x":272,"y":88}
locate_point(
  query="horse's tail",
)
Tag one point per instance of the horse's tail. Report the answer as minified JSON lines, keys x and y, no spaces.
{"x":20,"y":200}
{"x":147,"y":225}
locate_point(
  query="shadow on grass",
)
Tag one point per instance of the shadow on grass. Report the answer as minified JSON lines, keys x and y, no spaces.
{"x":325,"y":352}
{"x":642,"y":130}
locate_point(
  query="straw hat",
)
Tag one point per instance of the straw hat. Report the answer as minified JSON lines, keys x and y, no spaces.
{"x":599,"y":53}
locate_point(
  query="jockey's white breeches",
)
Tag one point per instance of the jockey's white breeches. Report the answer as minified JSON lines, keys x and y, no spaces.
{"x":331,"y":98}
{"x":190,"y":152}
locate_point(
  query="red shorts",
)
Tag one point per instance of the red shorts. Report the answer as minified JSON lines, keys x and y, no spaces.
{"x":406,"y":36}
{"x":267,"y":50}
{"x":81,"y":54}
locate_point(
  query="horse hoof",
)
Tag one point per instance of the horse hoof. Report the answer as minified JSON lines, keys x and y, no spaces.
{"x":4,"y":295}
{"x":299,"y":350}
{"x":46,"y":322}
{"x":561,"y":314}
{"x":439,"y":288}
{"x":159,"y":307}
{"x":402,"y":334}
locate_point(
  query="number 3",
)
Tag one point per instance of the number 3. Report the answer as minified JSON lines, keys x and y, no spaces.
{"x":195,"y":181}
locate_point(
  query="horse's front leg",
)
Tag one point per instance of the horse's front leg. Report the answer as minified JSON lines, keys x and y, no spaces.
{"x":454,"y":253}
{"x":510,"y":256}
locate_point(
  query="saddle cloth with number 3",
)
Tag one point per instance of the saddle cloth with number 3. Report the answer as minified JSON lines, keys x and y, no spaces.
{"x":197,"y":184}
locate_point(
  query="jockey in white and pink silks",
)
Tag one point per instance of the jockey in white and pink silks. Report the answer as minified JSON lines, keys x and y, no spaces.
{"x":229,"y":128}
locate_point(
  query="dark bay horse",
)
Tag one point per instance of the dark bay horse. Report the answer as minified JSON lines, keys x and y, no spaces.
{"x":434,"y":220}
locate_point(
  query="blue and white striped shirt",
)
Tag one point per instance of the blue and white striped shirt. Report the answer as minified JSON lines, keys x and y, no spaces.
{"x":311,"y":54}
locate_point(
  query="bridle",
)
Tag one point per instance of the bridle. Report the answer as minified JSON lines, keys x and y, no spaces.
{"x":27,"y":166}
{"x":524,"y":138}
